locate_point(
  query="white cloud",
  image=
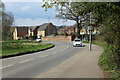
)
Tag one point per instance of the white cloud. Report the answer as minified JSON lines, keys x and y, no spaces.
{"x":34,"y":22}
{"x":25,"y":8}
{"x":9,"y":5}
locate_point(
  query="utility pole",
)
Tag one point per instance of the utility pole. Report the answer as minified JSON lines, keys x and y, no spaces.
{"x":90,"y":32}
{"x":90,"y":45}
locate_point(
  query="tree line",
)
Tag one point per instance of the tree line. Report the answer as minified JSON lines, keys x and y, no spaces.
{"x":7,"y":20}
{"x":106,"y":16}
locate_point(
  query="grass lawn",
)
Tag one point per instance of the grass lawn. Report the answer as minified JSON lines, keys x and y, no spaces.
{"x":18,"y":47}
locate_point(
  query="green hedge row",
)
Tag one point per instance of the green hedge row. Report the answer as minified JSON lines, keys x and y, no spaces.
{"x":109,"y":61}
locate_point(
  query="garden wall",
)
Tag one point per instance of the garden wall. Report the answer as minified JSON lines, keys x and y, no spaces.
{"x":57,"y":38}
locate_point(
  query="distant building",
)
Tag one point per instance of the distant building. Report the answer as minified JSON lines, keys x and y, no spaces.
{"x":46,"y":29}
{"x":73,"y":29}
{"x":20,"y":32}
{"x":63,"y":29}
{"x":33,"y":31}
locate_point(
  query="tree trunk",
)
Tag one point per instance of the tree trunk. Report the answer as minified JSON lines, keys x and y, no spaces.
{"x":78,"y":30}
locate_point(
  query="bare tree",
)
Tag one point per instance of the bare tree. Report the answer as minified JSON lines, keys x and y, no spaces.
{"x":7,"y":21}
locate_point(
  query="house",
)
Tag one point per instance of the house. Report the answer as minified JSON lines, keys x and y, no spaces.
{"x":73,"y":29}
{"x":63,"y":29}
{"x":20,"y":32}
{"x":46,"y":29}
{"x":67,"y":29}
{"x":60,"y":30}
{"x":33,"y":31}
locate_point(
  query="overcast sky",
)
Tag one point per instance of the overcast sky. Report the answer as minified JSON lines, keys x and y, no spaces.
{"x":31,"y":13}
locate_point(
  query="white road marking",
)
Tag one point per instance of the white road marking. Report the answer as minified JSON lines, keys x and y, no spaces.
{"x":6,"y":66}
{"x":54,"y":53}
{"x":44,"y":56}
{"x":24,"y":61}
{"x":31,"y":59}
{"x":23,"y":55}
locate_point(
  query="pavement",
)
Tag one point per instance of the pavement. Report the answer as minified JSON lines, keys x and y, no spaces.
{"x":84,"y":64}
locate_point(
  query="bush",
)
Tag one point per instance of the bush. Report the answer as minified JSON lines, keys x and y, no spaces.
{"x":109,"y":62}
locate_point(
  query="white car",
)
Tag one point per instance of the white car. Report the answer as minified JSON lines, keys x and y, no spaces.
{"x":77,"y":42}
{"x":39,"y":40}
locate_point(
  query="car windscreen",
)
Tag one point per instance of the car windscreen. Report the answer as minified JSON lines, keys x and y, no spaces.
{"x":77,"y":40}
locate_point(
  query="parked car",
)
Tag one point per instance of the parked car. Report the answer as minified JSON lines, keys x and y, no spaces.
{"x":77,"y":42}
{"x":39,"y":39}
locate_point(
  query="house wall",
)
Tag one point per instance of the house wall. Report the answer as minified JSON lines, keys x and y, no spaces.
{"x":35,"y":31}
{"x":75,"y":29}
{"x":50,"y":30}
{"x":32,"y":33}
{"x":15,"y":34}
{"x":83,"y":31}
{"x":40,"y":33}
{"x":29,"y":32}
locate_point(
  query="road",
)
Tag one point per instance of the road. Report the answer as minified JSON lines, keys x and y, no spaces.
{"x":34,"y":64}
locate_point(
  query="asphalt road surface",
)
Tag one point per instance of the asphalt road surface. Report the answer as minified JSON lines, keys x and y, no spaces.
{"x":34,"y":64}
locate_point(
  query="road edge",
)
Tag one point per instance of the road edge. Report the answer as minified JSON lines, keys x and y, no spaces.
{"x":25,"y":53}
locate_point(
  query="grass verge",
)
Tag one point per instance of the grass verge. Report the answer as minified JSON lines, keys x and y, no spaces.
{"x":108,"y":61}
{"x":14,"y":47}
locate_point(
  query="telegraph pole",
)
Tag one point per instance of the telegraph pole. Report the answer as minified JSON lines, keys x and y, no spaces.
{"x":90,"y":32}
{"x":90,"y":41}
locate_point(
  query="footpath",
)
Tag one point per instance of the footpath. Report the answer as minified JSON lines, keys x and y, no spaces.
{"x":84,"y":64}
